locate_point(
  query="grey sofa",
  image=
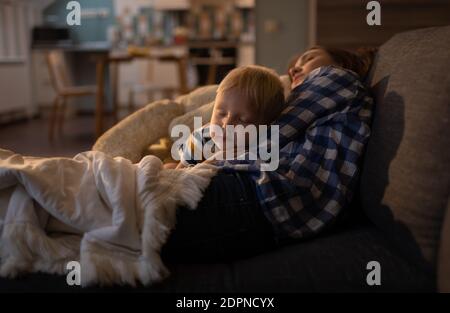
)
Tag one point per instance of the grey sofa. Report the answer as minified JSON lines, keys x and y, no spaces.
{"x":401,"y":217}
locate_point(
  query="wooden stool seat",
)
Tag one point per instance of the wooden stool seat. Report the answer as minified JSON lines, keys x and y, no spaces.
{"x":75,"y":91}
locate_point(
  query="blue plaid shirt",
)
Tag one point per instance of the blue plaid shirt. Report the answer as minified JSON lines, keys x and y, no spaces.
{"x":323,"y":131}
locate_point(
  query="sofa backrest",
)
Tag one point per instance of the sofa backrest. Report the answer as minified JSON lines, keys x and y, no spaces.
{"x":444,"y":255}
{"x":404,"y":183}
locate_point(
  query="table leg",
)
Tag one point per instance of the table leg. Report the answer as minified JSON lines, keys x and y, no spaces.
{"x":182,"y":75}
{"x":212,"y":71}
{"x":114,"y":79}
{"x":100,"y":73}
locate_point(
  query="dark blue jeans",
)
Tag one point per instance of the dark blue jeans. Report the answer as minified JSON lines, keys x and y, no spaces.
{"x":227,"y":224}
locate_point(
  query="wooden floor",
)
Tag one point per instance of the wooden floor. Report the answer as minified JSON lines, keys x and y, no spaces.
{"x":30,"y":137}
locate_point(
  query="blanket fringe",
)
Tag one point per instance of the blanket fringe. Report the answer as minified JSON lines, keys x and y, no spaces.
{"x":103,"y":267}
{"x":21,"y":243}
{"x":185,"y":188}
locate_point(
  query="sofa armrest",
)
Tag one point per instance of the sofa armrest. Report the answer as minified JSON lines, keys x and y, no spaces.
{"x":204,"y":112}
{"x":132,"y":136}
{"x":197,"y":97}
{"x":444,"y":254}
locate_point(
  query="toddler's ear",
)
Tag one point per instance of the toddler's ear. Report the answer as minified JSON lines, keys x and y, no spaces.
{"x":286,"y":81}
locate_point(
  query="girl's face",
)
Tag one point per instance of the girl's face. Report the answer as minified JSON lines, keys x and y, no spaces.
{"x":307,"y":62}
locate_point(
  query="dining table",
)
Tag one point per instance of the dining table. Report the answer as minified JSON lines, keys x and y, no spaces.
{"x":113,"y":59}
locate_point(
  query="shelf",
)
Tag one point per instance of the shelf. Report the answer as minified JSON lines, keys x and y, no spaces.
{"x":171,"y":5}
{"x":181,"y":5}
{"x":13,"y":60}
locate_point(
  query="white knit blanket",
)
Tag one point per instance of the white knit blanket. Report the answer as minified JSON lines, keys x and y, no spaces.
{"x":108,"y":214}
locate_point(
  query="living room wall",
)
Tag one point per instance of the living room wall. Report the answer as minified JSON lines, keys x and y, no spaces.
{"x":282,"y":30}
{"x":92,"y":29}
{"x":343,"y":23}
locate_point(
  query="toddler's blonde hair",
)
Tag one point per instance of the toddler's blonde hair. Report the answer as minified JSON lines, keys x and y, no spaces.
{"x":261,"y":87}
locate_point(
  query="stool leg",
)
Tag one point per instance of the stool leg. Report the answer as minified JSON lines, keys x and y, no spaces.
{"x":167,"y":93}
{"x":53,"y":115}
{"x":61,"y":114}
{"x":115,"y":82}
{"x":150,"y":96}
{"x":212,"y":71}
{"x":131,"y":102}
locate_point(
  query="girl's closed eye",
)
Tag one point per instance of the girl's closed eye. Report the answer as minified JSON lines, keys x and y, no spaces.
{"x":309,"y":58}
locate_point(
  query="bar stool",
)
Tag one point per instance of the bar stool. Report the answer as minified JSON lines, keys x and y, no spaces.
{"x":64,"y":89}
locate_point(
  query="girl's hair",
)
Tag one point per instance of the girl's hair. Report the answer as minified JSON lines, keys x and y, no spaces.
{"x":260,"y":86}
{"x":358,"y":61}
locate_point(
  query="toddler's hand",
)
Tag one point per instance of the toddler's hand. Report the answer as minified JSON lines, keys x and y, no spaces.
{"x":170,"y":165}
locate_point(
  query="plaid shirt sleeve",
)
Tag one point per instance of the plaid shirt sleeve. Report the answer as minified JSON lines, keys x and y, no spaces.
{"x":198,"y":138}
{"x":323,"y":131}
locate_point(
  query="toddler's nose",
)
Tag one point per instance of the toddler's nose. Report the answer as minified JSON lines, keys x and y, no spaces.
{"x":225,"y":123}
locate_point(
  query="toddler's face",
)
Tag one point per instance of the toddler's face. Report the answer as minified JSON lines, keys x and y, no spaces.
{"x":231,"y":108}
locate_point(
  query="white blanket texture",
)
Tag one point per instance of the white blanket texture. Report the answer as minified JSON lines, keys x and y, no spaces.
{"x":110,"y":215}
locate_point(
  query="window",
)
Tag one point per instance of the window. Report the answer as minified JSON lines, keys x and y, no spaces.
{"x":12,"y":31}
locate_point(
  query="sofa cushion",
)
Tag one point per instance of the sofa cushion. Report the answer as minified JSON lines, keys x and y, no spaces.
{"x":404,"y":185}
{"x":335,"y":262}
{"x":204,"y":111}
{"x":198,"y":97}
{"x":132,"y":136}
